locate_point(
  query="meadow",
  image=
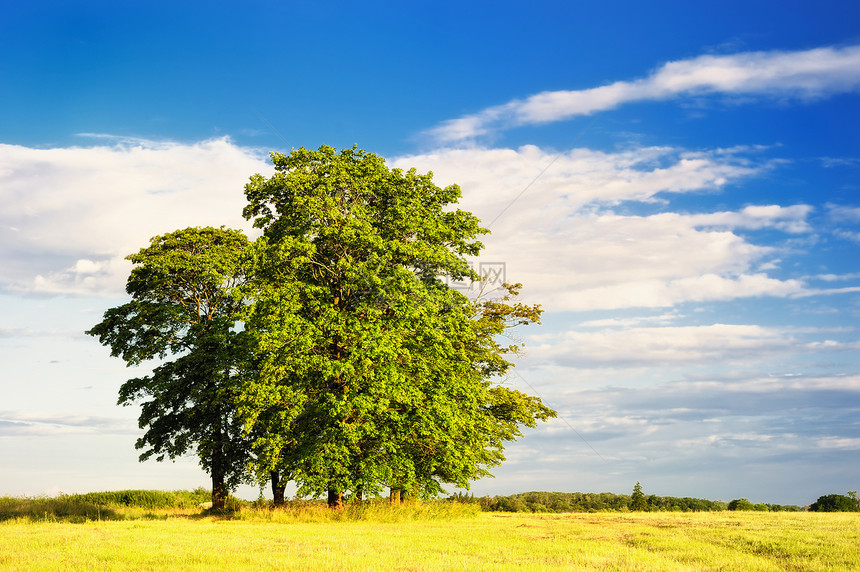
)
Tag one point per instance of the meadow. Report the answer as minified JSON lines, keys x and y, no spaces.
{"x":66,"y":534}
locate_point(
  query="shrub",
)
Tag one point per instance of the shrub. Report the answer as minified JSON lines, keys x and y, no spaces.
{"x":741,"y":504}
{"x":834,"y":503}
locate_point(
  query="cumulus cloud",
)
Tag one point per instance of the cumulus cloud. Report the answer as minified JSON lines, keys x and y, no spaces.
{"x":565,"y":242}
{"x":69,"y":216}
{"x":493,"y":178}
{"x":803,"y":75}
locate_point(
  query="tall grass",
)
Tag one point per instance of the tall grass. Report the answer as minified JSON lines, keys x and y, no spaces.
{"x":374,"y":510}
{"x":114,"y":505}
{"x":152,"y":505}
{"x":56,"y":509}
{"x":145,"y":498}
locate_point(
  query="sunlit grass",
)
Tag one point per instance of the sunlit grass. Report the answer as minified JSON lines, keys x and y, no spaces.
{"x":114,"y":505}
{"x":433,"y":536}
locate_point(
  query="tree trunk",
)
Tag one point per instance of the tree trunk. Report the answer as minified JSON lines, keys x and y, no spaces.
{"x":395,"y":495}
{"x":278,"y":489}
{"x":359,"y":493}
{"x":335,"y":499}
{"x":219,"y":490}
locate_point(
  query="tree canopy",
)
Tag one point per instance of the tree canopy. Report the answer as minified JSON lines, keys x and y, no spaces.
{"x":186,"y":299}
{"x":835,"y":503}
{"x":373,"y":372}
{"x":638,"y":502}
{"x":331,"y":351}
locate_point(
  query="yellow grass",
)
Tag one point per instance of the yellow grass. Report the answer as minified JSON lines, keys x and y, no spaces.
{"x":309,"y":540}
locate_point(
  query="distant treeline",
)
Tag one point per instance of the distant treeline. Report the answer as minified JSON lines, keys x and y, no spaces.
{"x":596,"y":502}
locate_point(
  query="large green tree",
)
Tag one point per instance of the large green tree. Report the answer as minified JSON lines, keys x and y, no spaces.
{"x":187,"y":296}
{"x":372,"y":371}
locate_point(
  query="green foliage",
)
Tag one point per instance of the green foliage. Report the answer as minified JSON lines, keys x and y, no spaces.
{"x":186,"y":300}
{"x":331,"y":351}
{"x":638,"y":502}
{"x":589,"y":502}
{"x":371,"y":371}
{"x":784,"y":508}
{"x":834,"y":503}
{"x":741,"y":504}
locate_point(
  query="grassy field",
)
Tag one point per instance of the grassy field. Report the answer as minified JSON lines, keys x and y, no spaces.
{"x":430,"y":537}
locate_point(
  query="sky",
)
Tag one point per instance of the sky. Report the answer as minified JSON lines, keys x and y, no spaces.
{"x":676,"y":183}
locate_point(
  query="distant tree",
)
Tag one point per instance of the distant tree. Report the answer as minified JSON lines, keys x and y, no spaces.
{"x":186,"y":299}
{"x":834,"y":503}
{"x":638,"y":501}
{"x":741,"y":504}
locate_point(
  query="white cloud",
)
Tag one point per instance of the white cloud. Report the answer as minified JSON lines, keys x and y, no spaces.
{"x":572,"y":253}
{"x":69,"y":216}
{"x":78,"y":212}
{"x":662,"y":319}
{"x":841,"y":443}
{"x":637,"y":346}
{"x":801,"y":74}
{"x":493,"y":178}
{"x":842,"y":213}
{"x":787,"y":219}
{"x":837,"y":277}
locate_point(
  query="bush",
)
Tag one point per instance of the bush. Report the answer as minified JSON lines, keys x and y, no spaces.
{"x":834,"y":503}
{"x":741,"y":504}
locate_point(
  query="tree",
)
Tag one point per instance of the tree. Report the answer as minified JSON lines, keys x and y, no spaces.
{"x":834,"y":503}
{"x":637,"y":499}
{"x":741,"y":504}
{"x":373,"y":372}
{"x":186,"y":301}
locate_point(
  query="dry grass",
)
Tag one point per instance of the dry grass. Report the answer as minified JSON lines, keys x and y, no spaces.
{"x":426,"y":537}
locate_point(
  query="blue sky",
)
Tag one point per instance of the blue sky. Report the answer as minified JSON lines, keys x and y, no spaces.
{"x":676,"y":183}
